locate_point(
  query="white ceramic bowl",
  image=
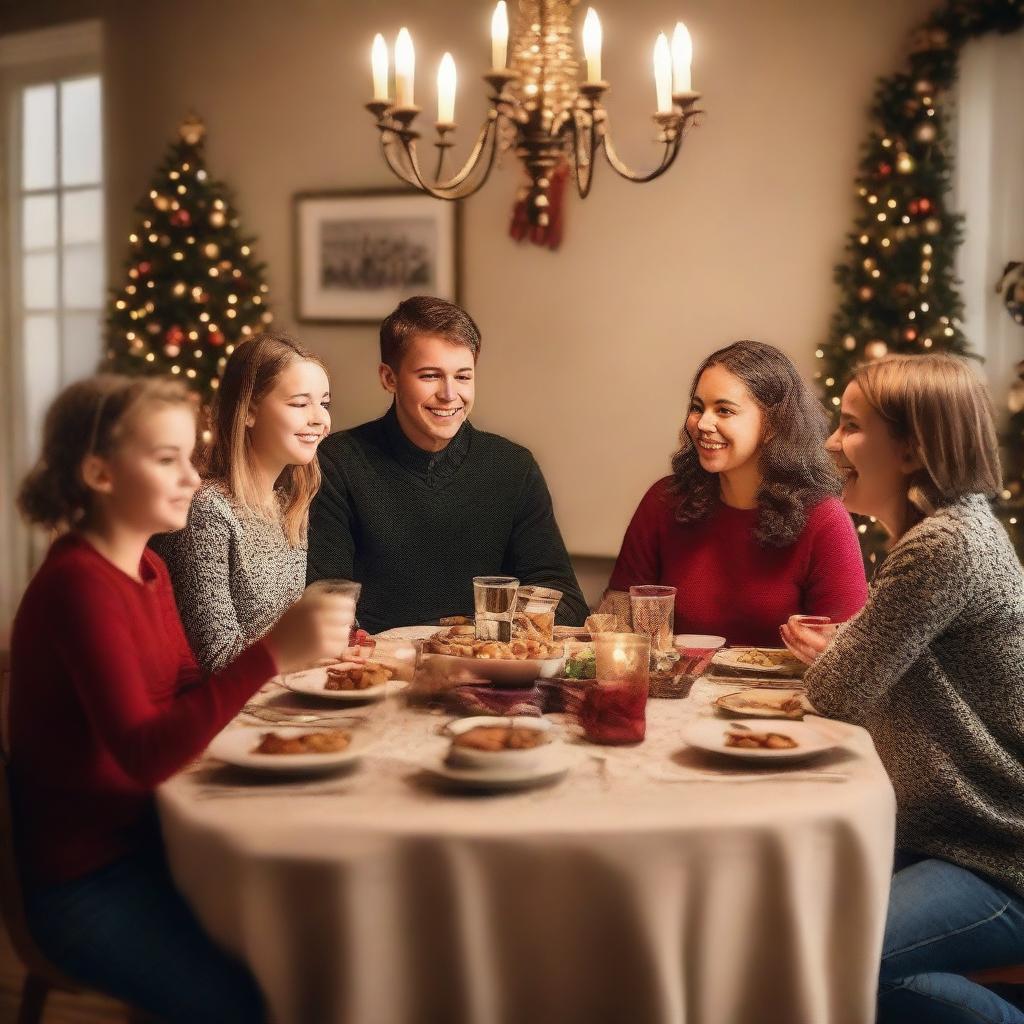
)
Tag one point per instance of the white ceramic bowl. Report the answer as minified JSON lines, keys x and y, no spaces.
{"x":499,"y":760}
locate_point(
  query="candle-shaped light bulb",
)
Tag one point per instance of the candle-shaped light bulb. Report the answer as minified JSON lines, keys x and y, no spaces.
{"x":663,"y":74}
{"x":446,"y":90}
{"x":592,"y":45}
{"x":682,"y":57}
{"x":379,"y":61}
{"x":499,"y":35}
{"x":405,"y":68}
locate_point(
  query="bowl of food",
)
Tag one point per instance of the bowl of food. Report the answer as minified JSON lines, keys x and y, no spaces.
{"x":456,"y":654}
{"x":498,"y":743}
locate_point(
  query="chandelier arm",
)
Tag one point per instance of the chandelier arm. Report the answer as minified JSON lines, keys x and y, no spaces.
{"x":487,"y":133}
{"x":457,"y":187}
{"x":581,"y":137}
{"x":671,"y":151}
{"x":387,"y":146}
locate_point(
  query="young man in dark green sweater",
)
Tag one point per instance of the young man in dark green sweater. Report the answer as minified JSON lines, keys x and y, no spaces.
{"x":417,"y":503}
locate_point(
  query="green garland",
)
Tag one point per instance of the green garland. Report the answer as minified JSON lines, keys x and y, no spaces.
{"x":898,"y":283}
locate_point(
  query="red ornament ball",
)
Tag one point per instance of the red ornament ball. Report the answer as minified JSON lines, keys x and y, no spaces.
{"x":924,"y":205}
{"x":181,"y":218}
{"x":144,"y":267}
{"x":885,"y":170}
{"x":909,"y":334}
{"x":174,"y":336}
{"x":865,"y":294}
{"x":216,"y":338}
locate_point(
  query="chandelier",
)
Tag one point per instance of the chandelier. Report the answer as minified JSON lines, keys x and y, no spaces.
{"x":538,"y":108}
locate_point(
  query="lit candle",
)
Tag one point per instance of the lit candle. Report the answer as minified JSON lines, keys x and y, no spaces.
{"x":499,"y":35}
{"x":405,"y":67}
{"x":446,"y":90}
{"x":592,"y":45}
{"x":663,"y":74}
{"x":379,"y":60}
{"x":682,"y":56}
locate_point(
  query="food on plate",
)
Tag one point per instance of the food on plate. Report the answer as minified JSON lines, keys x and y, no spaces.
{"x":664,"y":665}
{"x":788,"y":705}
{"x":465,"y":645}
{"x":581,"y":664}
{"x":493,"y":738}
{"x":766,"y":658}
{"x":358,"y":677}
{"x":760,"y":740}
{"x":317,"y":741}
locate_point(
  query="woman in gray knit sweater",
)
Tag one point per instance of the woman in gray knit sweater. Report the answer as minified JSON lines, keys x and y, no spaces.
{"x":241,"y":560}
{"x":933,"y":667}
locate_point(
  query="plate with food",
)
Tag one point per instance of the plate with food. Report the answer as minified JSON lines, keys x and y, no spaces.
{"x":754,"y":740}
{"x":765,"y":703}
{"x":346,"y":682}
{"x":289,"y":749}
{"x":759,"y":660}
{"x":459,"y":654}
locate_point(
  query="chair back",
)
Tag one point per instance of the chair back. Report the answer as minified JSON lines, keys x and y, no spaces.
{"x":12,"y":905}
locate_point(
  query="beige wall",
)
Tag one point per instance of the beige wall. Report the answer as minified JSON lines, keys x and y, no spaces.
{"x":589,"y":350}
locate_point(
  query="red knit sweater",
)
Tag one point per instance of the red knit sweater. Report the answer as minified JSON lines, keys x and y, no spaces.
{"x":106,"y":702}
{"x":730,"y":585}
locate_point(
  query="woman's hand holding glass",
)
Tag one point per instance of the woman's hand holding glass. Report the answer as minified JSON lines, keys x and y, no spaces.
{"x":807,"y":636}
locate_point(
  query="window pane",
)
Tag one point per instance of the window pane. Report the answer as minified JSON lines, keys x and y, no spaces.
{"x":80,"y":149}
{"x":83,"y":277}
{"x":39,"y":137}
{"x":39,"y":222}
{"x":42,"y":374}
{"x":81,"y":345}
{"x":83,"y":216}
{"x":39,"y":280}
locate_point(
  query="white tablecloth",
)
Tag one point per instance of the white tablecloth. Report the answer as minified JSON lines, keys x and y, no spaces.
{"x":615,"y":896}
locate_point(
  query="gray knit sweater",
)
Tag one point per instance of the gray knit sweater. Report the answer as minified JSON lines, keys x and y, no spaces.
{"x":933,"y":668}
{"x":234,"y":574}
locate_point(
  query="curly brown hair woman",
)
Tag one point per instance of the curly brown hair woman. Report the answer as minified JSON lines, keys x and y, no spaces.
{"x":748,"y":527}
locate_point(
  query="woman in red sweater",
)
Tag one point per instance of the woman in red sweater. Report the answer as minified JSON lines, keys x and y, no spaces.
{"x":748,"y":528}
{"x":107,"y":701}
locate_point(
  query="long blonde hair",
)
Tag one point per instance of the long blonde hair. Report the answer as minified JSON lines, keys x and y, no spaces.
{"x":90,"y":417}
{"x":943,"y":410}
{"x":250,"y":374}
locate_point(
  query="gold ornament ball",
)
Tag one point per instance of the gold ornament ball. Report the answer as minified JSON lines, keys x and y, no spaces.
{"x":217,"y":219}
{"x":905,"y":163}
{"x":849,"y":343}
{"x":211,"y":250}
{"x":161,"y":202}
{"x":926,"y":133}
{"x":923,"y":87}
{"x":932,"y":226}
{"x":173,"y":351}
{"x":179,"y":288}
{"x":876,"y":349}
{"x":865,"y":294}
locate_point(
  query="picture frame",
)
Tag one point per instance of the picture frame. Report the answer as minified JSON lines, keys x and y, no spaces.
{"x":358,"y":253}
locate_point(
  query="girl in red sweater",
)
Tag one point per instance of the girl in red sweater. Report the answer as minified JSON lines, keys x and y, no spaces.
{"x":107,"y":702}
{"x":748,"y":527}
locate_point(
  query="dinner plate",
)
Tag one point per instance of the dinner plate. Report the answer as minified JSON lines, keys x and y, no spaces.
{"x":235,"y":746}
{"x":709,"y":734}
{"x":757,"y":702}
{"x":313,"y":680}
{"x":493,"y":670}
{"x":554,"y":763}
{"x":729,"y":657}
{"x":411,"y":633}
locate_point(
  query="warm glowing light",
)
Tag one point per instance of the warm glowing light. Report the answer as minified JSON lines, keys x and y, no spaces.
{"x":592,"y":45}
{"x":682,"y":58}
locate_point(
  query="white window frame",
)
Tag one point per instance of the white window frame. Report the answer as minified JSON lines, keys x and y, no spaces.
{"x":26,"y":58}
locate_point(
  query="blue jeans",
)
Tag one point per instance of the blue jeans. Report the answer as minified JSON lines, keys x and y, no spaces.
{"x":126,"y":931}
{"x":944,"y":920}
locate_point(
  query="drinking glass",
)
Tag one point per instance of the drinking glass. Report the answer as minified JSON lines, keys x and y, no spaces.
{"x":535,"y":612}
{"x":615,"y":708}
{"x":494,"y":600}
{"x":654,"y":610}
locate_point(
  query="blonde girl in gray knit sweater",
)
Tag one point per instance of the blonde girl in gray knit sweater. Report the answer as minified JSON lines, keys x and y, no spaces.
{"x":241,"y":560}
{"x":933,"y":667}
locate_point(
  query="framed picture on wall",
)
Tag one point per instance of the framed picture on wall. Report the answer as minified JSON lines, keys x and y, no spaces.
{"x":358,"y":254}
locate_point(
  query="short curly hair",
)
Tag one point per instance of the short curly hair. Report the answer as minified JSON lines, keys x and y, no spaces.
{"x":796,"y":471}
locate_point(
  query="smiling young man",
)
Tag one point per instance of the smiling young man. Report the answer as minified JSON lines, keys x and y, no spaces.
{"x":415,"y":504}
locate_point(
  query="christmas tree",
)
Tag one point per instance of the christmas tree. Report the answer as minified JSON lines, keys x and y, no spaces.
{"x":898,"y":282}
{"x":194,"y":289}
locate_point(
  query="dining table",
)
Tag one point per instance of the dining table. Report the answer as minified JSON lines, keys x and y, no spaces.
{"x":651,"y":884}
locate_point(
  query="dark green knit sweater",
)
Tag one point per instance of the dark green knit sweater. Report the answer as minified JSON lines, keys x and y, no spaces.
{"x":415,"y":527}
